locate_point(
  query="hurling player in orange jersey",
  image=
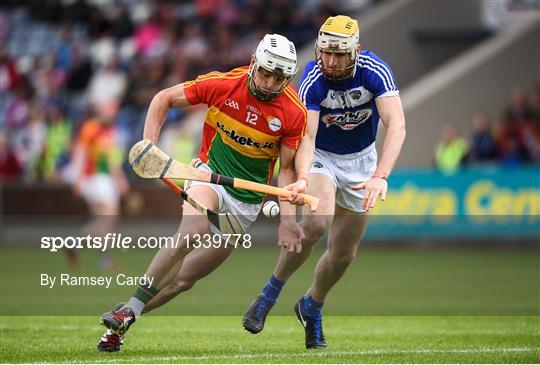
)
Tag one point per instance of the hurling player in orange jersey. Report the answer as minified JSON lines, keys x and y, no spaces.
{"x":255,"y":117}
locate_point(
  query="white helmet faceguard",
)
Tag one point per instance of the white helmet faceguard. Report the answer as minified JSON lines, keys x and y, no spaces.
{"x":338,"y":34}
{"x":276,"y":54}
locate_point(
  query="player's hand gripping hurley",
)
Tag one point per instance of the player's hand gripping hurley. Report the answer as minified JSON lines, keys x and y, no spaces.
{"x":148,"y":161}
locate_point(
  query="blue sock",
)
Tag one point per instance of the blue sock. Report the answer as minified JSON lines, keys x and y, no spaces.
{"x":310,"y":306}
{"x":272,"y":288}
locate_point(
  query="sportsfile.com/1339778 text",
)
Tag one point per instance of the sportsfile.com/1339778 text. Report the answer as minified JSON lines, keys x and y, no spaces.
{"x":124,"y":242}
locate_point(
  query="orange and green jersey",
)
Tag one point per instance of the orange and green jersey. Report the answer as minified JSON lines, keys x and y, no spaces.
{"x":102,"y":151}
{"x":242,"y":136}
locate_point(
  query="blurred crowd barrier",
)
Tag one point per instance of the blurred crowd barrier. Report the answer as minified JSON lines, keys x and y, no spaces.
{"x":472,"y":203}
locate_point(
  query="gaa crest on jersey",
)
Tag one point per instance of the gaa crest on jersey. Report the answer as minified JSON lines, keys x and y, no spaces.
{"x":274,"y":124}
{"x":317,"y":165}
{"x":232,"y":104}
{"x":347,"y":120}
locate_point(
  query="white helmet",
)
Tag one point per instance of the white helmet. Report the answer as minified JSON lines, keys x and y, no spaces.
{"x":338,"y":34}
{"x":276,"y":54}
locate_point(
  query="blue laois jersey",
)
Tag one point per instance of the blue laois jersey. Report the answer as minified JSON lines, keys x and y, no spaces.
{"x":348,"y":115}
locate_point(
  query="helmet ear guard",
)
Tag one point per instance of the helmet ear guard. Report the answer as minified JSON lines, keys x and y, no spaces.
{"x":275,"y":54}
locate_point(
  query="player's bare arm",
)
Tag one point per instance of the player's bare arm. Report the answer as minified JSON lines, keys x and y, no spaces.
{"x":391,"y":112}
{"x":173,"y":97}
{"x":304,"y":156}
{"x":290,"y":234}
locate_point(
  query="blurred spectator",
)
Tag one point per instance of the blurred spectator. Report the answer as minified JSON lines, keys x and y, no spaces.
{"x":17,"y":107}
{"x":9,"y":75}
{"x":532,"y":139}
{"x":107,"y":85}
{"x":29,"y":142}
{"x":48,"y":79}
{"x":99,"y":178}
{"x":519,"y":109}
{"x":63,"y":50}
{"x":57,"y":143}
{"x":102,"y":51}
{"x":512,"y":154}
{"x":77,"y":80}
{"x":147,"y":35}
{"x":482,"y":141}
{"x":98,"y":25}
{"x":4,"y":29}
{"x":9,"y":166}
{"x":532,"y":145}
{"x":79,"y":72}
{"x":535,"y":103}
{"x":510,"y":148}
{"x":451,"y":151}
{"x":97,"y":159}
{"x":195,"y":48}
{"x":123,"y":26}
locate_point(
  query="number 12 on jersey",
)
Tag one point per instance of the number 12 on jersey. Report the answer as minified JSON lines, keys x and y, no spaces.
{"x":251,"y":118}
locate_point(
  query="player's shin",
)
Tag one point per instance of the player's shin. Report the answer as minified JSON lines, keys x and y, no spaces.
{"x":159,"y":272}
{"x":347,"y":232}
{"x":289,"y":262}
{"x":168,"y":292}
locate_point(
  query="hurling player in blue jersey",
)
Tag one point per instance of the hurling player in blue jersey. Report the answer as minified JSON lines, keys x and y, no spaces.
{"x":346,"y":91}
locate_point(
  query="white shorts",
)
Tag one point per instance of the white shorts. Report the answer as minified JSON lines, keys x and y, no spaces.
{"x":245,"y":213}
{"x":100,"y":188}
{"x":346,"y":171}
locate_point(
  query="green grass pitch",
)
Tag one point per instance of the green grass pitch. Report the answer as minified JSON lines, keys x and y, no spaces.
{"x":221,"y":340}
{"x":393,"y":306}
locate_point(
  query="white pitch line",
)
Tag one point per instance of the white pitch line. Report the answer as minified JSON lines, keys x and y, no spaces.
{"x":316,"y":354}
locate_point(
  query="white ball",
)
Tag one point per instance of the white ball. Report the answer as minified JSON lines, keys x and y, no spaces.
{"x":270,"y":209}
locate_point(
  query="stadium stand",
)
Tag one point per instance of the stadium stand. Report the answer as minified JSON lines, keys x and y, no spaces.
{"x":462,"y":58}
{"x":63,"y":60}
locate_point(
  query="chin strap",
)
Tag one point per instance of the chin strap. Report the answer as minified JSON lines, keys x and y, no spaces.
{"x":262,"y":97}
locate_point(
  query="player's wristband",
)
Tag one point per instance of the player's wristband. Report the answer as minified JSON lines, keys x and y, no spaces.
{"x":382,"y":177}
